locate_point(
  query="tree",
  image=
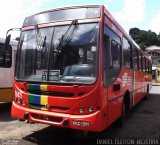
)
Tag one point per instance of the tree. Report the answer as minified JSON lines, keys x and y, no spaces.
{"x":158,"y":38}
{"x":144,"y":38}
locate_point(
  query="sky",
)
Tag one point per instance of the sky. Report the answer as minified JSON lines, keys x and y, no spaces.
{"x":143,"y":14}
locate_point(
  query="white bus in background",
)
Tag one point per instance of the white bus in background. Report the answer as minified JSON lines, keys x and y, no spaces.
{"x":7,"y":65}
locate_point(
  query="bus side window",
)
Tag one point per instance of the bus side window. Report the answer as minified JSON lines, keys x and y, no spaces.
{"x":144,"y":66}
{"x":111,"y":56}
{"x":140,"y":61}
{"x":7,"y":60}
{"x":115,"y":53}
{"x":134,"y":54}
{"x":127,"y":61}
{"x":137,"y":60}
{"x":107,"y":53}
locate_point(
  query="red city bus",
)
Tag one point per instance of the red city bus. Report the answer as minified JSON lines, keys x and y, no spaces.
{"x":77,"y":68}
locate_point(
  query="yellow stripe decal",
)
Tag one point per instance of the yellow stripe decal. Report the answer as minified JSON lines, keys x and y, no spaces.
{"x":44,"y":100}
{"x":44,"y":87}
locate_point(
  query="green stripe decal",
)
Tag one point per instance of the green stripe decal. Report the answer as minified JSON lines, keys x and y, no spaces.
{"x":30,"y":87}
{"x":34,"y":99}
{"x":31,"y":98}
{"x":33,"y":86}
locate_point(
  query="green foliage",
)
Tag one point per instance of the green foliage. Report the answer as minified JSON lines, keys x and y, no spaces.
{"x":144,"y":38}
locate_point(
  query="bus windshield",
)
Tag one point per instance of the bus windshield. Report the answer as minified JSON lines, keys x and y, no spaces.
{"x":60,"y":54}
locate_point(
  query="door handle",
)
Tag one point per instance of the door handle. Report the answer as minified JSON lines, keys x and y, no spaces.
{"x":116,"y":87}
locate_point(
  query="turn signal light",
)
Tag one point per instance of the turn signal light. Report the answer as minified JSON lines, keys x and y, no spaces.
{"x":81,"y":110}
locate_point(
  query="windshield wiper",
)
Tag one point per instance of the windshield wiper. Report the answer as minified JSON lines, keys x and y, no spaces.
{"x":40,"y":44}
{"x":40,"y":40}
{"x":67,"y":36}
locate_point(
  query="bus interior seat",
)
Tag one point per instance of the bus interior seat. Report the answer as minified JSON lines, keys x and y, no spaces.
{"x":79,"y":70}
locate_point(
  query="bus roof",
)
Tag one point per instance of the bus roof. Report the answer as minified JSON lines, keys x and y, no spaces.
{"x":91,"y":6}
{"x":94,"y":6}
{"x":68,"y":7}
{"x":63,"y":14}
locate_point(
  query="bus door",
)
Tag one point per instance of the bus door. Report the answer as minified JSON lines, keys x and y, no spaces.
{"x":111,"y":73}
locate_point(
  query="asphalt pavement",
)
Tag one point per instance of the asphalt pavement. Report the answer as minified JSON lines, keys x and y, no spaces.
{"x":141,"y":126}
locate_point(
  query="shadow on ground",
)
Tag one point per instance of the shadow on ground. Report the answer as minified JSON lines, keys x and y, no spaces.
{"x":58,"y":136}
{"x":5,"y":112}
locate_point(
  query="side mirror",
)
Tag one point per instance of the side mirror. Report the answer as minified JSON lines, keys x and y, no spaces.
{"x":6,"y":45}
{"x":8,"y":37}
{"x":7,"y":41}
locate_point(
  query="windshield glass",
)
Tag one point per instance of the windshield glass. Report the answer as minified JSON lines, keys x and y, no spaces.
{"x":61,"y":54}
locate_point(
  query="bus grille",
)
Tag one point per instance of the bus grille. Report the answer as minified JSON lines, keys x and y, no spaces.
{"x":47,"y":118}
{"x":50,"y":108}
{"x":51,"y":93}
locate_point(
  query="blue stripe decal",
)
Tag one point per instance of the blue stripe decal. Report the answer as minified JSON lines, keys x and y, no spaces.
{"x":37,"y":99}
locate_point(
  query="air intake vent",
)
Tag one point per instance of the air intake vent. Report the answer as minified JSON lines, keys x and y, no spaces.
{"x":51,"y":93}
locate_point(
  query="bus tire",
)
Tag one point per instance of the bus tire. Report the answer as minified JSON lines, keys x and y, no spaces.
{"x":126,"y":102}
{"x":146,"y":96}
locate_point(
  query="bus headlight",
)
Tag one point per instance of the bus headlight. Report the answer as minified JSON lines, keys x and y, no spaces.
{"x":20,"y":101}
{"x":91,"y":109}
{"x":84,"y":110}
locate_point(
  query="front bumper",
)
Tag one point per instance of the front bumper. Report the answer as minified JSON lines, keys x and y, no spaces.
{"x":91,"y":122}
